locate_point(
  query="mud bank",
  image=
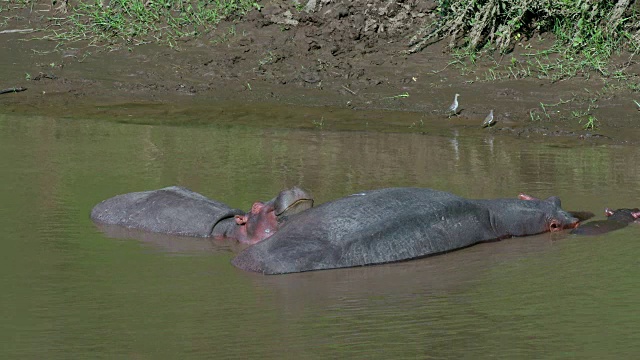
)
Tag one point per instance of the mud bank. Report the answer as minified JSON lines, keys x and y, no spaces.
{"x":339,"y":54}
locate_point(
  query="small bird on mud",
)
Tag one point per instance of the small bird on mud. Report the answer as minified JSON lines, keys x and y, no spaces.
{"x":453,"y":109}
{"x":488,"y":121}
{"x":637,"y":104}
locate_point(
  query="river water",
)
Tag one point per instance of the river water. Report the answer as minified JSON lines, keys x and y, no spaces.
{"x":70,"y":291}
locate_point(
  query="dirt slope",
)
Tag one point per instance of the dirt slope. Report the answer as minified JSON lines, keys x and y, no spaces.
{"x":318,"y":53}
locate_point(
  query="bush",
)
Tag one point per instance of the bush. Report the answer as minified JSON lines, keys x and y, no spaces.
{"x":474,"y":24}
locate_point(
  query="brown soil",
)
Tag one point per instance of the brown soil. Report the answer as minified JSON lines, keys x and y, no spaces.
{"x":343,"y":54}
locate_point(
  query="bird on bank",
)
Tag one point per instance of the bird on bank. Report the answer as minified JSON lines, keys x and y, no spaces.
{"x":488,"y":121}
{"x":453,"y":109}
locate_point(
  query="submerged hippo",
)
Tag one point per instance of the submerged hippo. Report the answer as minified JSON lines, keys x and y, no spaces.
{"x":395,"y":224}
{"x":616,"y":219}
{"x":178,"y":211}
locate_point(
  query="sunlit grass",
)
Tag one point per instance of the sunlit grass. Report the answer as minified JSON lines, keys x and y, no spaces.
{"x":135,"y":22}
{"x":538,"y":39}
{"x":586,"y":34}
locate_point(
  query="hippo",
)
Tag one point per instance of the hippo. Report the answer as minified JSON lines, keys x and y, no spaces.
{"x":396,"y":224}
{"x":616,"y":219}
{"x":179,"y":211}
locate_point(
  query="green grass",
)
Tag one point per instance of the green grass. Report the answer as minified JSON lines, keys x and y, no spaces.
{"x":546,"y":40}
{"x":578,"y":107}
{"x":399,"y":96}
{"x":587,"y":34}
{"x":583,"y":25}
{"x":135,"y":22}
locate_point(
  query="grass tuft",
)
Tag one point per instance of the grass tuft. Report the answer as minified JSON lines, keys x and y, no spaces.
{"x":135,"y":22}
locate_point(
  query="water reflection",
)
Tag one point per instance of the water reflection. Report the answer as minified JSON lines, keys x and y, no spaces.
{"x":428,"y":277}
{"x":69,"y":291}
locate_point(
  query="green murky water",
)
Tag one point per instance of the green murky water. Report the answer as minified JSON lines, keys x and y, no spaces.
{"x":68,"y":291}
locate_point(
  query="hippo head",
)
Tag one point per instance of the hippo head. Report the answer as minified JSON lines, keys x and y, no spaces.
{"x":263,"y":219}
{"x":623,"y":215}
{"x":545,"y":215}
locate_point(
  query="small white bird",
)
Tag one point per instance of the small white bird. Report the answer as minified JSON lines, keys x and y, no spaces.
{"x":488,"y":121}
{"x":454,"y":106}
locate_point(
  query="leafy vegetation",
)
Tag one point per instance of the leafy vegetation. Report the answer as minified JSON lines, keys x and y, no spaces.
{"x":582,"y":24}
{"x":585,"y":36}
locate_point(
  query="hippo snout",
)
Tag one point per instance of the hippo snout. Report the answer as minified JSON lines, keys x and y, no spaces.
{"x":572,"y":223}
{"x":565,"y":221}
{"x":575,"y":222}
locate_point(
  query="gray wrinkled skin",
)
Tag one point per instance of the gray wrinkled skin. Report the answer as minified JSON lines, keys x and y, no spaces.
{"x":172,"y":210}
{"x":394,"y":224}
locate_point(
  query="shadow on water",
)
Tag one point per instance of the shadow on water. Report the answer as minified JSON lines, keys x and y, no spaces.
{"x":68,"y":290}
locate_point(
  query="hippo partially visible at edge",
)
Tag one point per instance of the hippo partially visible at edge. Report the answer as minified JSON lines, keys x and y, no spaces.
{"x":616,"y":220}
{"x":179,"y":211}
{"x":396,"y":224}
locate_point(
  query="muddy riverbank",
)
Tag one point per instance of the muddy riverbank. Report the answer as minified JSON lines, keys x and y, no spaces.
{"x":341,"y":55}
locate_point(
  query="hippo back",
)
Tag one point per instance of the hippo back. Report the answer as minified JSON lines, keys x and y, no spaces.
{"x":374,"y":227}
{"x":173,"y":210}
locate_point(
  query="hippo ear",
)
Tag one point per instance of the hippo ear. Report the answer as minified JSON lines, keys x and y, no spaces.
{"x":257,"y":207}
{"x":241,"y":219}
{"x":292,"y":201}
{"x":554,"y":200}
{"x":608,"y":212}
{"x":523,"y":196}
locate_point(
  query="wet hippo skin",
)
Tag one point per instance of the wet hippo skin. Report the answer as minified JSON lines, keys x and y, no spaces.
{"x":616,"y":220}
{"x":179,"y":211}
{"x":396,"y":224}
